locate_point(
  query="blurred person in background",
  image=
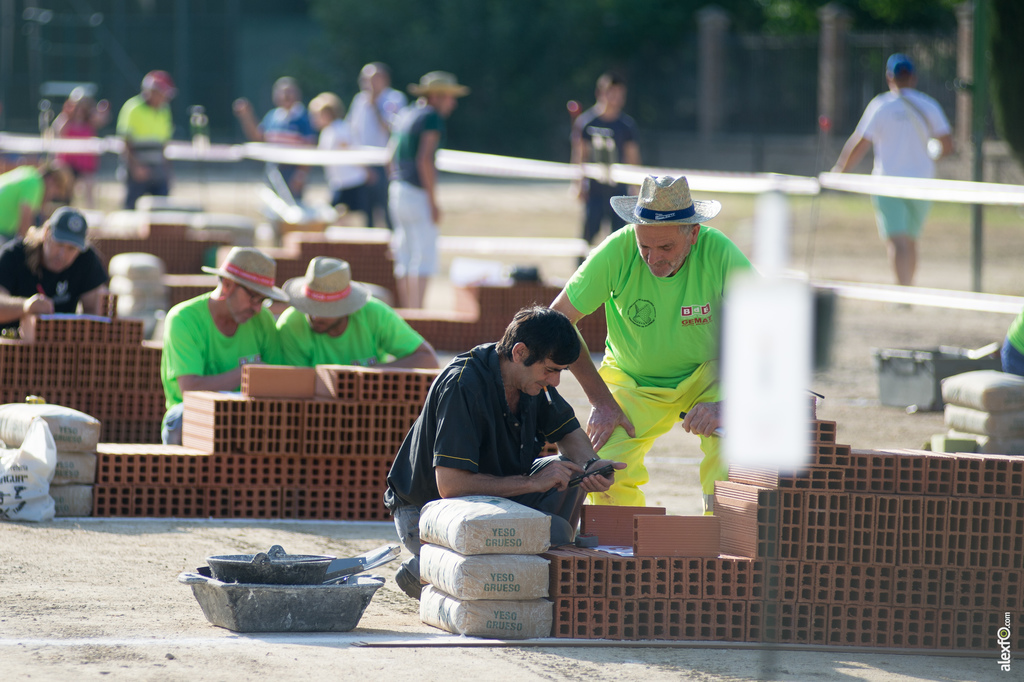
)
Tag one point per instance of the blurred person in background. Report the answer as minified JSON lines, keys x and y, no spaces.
{"x":287,"y":123}
{"x":347,"y":183}
{"x":81,"y":118}
{"x":371,"y":117}
{"x":25,"y":193}
{"x":51,"y":270}
{"x":604,"y":134}
{"x":908,"y":132}
{"x":418,"y":134}
{"x":145,"y":125}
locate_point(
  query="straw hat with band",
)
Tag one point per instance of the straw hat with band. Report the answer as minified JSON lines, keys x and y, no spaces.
{"x":251,"y":268}
{"x":327,"y":289}
{"x":664,"y":200}
{"x":438,"y":81}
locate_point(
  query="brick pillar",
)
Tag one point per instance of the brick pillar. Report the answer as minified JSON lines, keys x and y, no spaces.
{"x":834,"y":20}
{"x":712,"y":25}
{"x":964,"y":74}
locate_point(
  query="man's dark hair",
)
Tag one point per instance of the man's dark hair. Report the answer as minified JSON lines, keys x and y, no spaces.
{"x":545,"y":332}
{"x":610,"y":78}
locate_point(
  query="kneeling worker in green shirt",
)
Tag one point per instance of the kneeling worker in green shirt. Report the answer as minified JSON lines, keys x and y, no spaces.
{"x":209,"y":338}
{"x":335,"y":321}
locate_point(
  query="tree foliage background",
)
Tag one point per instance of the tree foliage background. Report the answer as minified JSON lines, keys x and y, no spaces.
{"x":524,"y":59}
{"x":1006,"y":23}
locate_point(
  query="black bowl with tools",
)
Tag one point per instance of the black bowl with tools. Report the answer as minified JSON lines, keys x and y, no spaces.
{"x":273,"y":567}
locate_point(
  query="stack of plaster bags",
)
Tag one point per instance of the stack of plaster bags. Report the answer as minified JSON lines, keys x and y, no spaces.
{"x":480,"y":563}
{"x":47,"y":462}
{"x":988,"y":407}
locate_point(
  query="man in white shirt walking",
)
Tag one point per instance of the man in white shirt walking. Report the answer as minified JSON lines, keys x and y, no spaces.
{"x":907,"y":132}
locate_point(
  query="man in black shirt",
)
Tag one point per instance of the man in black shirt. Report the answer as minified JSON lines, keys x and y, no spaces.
{"x":485,"y":421}
{"x":51,"y":270}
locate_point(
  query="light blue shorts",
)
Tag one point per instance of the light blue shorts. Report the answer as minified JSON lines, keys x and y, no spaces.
{"x":900,"y":217}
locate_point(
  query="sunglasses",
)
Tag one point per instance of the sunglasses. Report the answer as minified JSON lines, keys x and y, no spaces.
{"x":255,"y":298}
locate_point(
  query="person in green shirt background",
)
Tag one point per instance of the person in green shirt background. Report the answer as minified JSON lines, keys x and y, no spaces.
{"x":335,"y":321}
{"x":24,"y":192}
{"x":209,"y":338}
{"x":661,"y":280}
{"x":145,"y":125}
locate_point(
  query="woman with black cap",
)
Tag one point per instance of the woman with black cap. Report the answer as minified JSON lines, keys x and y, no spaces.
{"x":51,"y":270}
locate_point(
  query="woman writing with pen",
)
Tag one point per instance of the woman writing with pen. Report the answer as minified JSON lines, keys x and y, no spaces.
{"x":51,"y":270}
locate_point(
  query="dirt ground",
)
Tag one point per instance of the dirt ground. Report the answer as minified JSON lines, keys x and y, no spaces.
{"x":98,"y":598}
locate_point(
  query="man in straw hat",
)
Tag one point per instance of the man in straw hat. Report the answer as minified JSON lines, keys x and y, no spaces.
{"x":412,"y":201}
{"x":335,"y":321}
{"x":661,"y":281}
{"x":483,"y":426}
{"x":207,"y":339}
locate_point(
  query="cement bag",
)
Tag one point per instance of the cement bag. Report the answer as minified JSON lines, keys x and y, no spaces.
{"x":25,"y":475}
{"x":986,"y":390}
{"x":992,"y":445}
{"x":486,"y":617}
{"x":71,"y":500}
{"x":139,"y":267}
{"x":485,"y":576}
{"x":75,"y":468}
{"x":73,"y":431}
{"x":1002,"y":424}
{"x":481,"y":524}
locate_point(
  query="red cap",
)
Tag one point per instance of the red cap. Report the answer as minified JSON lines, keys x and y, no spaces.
{"x":161,"y":81}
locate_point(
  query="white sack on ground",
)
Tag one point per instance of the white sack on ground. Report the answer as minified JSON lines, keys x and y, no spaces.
{"x":485,"y":576}
{"x":481,"y":524}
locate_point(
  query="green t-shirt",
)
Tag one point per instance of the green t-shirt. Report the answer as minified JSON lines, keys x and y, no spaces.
{"x":1016,"y":332}
{"x":660,"y":329}
{"x":193,"y":346}
{"x":23,"y":185}
{"x":374,"y":332}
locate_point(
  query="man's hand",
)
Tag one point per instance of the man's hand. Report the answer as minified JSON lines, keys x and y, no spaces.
{"x":555,"y":475}
{"x":604,"y":418}
{"x":599,"y":484}
{"x":703,"y":419}
{"x":242,"y":108}
{"x":37,"y":304}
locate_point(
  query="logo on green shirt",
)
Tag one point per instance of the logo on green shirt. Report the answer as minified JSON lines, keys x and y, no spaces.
{"x":641,"y":313}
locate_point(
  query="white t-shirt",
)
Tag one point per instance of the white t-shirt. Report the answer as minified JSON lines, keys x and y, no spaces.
{"x":366,"y":129}
{"x":338,"y":136}
{"x":898,"y":127}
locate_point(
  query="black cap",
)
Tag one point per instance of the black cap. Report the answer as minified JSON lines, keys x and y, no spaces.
{"x":68,"y":226}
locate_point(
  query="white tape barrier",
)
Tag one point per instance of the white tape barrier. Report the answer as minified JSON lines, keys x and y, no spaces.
{"x":954,"y":191}
{"x":451,"y":161}
{"x":937,"y":298}
{"x":514,"y":246}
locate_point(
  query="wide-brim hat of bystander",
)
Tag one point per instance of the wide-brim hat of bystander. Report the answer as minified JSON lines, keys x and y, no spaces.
{"x":327,"y":289}
{"x":664,"y":200}
{"x":439,"y":82}
{"x":251,"y":268}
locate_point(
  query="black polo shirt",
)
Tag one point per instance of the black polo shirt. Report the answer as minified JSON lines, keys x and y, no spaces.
{"x":466,"y":424}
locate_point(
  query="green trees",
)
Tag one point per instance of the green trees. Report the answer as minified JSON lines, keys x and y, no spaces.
{"x":1006,"y":25}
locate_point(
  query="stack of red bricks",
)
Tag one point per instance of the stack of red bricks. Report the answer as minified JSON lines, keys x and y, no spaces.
{"x":297,"y":443}
{"x":99,"y":366}
{"x":182,"y":249}
{"x":898,"y":548}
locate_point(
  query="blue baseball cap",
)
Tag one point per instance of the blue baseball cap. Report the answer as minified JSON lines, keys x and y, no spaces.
{"x":68,"y":226}
{"x":899,"y":64}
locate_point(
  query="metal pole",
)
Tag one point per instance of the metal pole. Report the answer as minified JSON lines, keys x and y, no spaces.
{"x":979,"y":115}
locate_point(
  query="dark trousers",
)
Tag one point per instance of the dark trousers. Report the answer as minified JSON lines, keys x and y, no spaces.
{"x":598,"y":207}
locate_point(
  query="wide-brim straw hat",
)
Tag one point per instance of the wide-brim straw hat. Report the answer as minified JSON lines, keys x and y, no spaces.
{"x":664,"y":200}
{"x":252,"y":269}
{"x":327,"y":289}
{"x":438,"y":81}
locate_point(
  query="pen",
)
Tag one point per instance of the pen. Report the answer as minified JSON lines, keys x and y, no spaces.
{"x":718,"y":432}
{"x":547,"y":395}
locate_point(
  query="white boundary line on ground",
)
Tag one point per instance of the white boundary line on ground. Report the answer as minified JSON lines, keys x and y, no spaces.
{"x":257,"y":522}
{"x":227,"y":639}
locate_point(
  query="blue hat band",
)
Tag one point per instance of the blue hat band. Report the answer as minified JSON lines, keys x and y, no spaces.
{"x":664,"y":216}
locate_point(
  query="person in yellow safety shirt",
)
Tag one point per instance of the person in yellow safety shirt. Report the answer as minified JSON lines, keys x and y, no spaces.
{"x":661,"y":280}
{"x":145,"y":125}
{"x":335,"y":321}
